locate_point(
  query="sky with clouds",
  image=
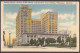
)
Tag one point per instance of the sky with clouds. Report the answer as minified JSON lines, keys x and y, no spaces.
{"x":66,"y":14}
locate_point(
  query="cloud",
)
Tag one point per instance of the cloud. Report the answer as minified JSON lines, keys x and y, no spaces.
{"x":40,"y":12}
{"x":67,"y":25}
{"x":11,"y":15}
{"x":66,"y":16}
{"x":10,"y":23}
{"x":13,"y":30}
{"x":5,"y":26}
{"x":9,"y":27}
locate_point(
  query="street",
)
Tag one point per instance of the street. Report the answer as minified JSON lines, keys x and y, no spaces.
{"x":34,"y":48}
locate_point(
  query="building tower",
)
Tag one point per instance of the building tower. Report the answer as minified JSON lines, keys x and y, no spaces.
{"x":49,"y":22}
{"x":36,"y":26}
{"x":23,"y":20}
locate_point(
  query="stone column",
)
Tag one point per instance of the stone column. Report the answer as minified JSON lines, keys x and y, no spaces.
{"x":33,"y":37}
{"x":61,"y":37}
{"x":36,"y":37}
{"x":64,"y":39}
{"x":26,"y":38}
{"x":29,"y":38}
{"x":44,"y":41}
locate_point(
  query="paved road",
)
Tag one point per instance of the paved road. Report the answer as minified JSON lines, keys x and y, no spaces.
{"x":34,"y":48}
{"x":39,"y":49}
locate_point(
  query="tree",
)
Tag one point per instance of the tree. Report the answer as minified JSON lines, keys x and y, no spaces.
{"x":53,"y":40}
{"x":47,"y":41}
{"x":41,"y":41}
{"x":36,"y":42}
{"x":68,"y":39}
{"x":31,"y":41}
{"x":62,"y":41}
{"x":59,"y":39}
{"x":74,"y":40}
{"x":50,"y":40}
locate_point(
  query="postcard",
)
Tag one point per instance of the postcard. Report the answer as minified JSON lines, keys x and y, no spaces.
{"x":40,"y":26}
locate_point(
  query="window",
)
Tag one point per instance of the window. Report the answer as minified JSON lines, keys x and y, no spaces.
{"x":34,"y":36}
{"x":27,"y":36}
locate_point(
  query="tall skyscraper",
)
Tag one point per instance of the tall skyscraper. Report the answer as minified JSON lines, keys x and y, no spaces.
{"x":25,"y":24}
{"x":23,"y":20}
{"x":49,"y":22}
{"x":36,"y":26}
{"x":28,"y":28}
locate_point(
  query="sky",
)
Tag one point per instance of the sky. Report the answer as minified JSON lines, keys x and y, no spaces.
{"x":66,"y":15}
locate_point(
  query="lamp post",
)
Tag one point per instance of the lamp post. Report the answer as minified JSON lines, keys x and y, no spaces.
{"x":4,"y":38}
{"x":9,"y":39}
{"x":70,"y":41}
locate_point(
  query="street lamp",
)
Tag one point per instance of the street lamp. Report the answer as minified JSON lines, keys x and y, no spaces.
{"x":4,"y":38}
{"x":9,"y":39}
{"x":70,"y":41}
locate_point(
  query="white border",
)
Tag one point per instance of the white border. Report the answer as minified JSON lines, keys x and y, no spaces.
{"x":39,"y":50}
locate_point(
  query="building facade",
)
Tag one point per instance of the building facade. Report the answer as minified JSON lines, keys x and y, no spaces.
{"x":23,"y":21}
{"x":25,"y":39}
{"x":25,"y":24}
{"x":49,"y":22}
{"x":36,"y":26}
{"x":28,"y":28}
